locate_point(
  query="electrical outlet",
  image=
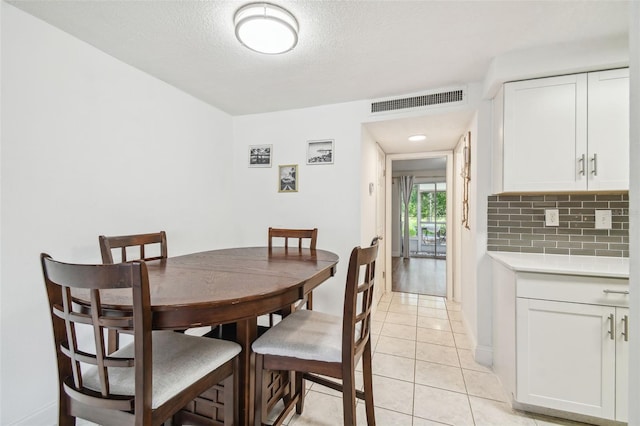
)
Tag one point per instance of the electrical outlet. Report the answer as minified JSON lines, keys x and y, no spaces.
{"x":552,"y":217}
{"x":603,"y":219}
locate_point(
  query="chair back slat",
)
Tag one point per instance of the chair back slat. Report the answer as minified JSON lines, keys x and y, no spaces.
{"x":356,"y":326}
{"x":295,"y":234}
{"x":121,"y":243}
{"x":60,"y":278}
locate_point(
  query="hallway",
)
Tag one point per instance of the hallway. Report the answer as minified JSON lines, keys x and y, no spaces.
{"x":426,"y":276}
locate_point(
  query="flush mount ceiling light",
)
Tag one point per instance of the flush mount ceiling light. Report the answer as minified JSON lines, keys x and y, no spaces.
{"x":417,"y":138}
{"x":266,"y":28}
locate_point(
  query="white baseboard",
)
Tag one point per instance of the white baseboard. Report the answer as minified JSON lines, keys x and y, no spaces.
{"x":484,"y":355}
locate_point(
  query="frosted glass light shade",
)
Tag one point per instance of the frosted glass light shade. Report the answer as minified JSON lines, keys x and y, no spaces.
{"x":266,"y":28}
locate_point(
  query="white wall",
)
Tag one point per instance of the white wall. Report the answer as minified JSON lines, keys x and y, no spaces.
{"x":329,"y":197}
{"x":634,"y":212}
{"x":90,"y":146}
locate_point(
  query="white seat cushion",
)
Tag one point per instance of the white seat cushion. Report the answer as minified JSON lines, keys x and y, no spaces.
{"x":304,"y":334}
{"x":178,"y":361}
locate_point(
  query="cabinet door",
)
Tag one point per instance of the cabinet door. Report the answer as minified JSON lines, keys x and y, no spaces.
{"x":566,"y":356}
{"x":608,"y":129}
{"x":622,"y":364}
{"x":545,"y":134}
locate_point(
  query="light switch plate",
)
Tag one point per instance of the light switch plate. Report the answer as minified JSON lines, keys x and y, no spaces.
{"x":603,"y":219}
{"x":552,"y":217}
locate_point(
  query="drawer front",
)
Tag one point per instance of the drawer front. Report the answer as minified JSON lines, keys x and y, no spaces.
{"x":573,"y":288}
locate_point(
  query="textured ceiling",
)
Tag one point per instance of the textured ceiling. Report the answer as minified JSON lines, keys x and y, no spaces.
{"x":348,"y":50}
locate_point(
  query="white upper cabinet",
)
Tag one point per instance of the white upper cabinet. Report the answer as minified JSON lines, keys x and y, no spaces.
{"x":566,"y":133}
{"x":608,"y":129}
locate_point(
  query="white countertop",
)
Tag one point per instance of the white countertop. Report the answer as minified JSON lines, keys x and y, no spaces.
{"x":594,"y":266}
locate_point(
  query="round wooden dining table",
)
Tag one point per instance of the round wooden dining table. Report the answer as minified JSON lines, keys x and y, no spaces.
{"x":234,"y":285}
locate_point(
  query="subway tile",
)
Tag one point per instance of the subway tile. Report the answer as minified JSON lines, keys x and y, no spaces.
{"x":556,"y":251}
{"x":517,"y":223}
{"x":532,"y":249}
{"x":582,"y":252}
{"x":609,"y":197}
{"x":610,"y":253}
{"x":556,"y":197}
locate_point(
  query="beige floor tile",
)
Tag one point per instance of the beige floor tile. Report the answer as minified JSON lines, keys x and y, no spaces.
{"x":484,"y":385}
{"x":542,"y":420}
{"x":379,"y":316}
{"x":490,"y":413}
{"x":404,"y":319}
{"x":455,"y":315}
{"x":438,"y":337}
{"x":462,"y":341}
{"x":394,"y":346}
{"x":387,"y":417}
{"x":406,"y":298}
{"x":434,"y":323}
{"x":442,"y":406}
{"x":468,"y":362}
{"x":395,"y":367}
{"x":454,"y":306}
{"x":432,"y":312}
{"x":429,"y":297}
{"x":398,"y":330}
{"x":458,"y":327}
{"x":440,"y":376}
{"x":383,"y":306}
{"x":437,"y":304}
{"x":393,"y":394}
{"x":403,"y":309}
{"x":437,"y":353}
{"x":320,"y":409}
{"x":417,"y":421}
{"x":376,"y":326}
{"x":387,"y":297}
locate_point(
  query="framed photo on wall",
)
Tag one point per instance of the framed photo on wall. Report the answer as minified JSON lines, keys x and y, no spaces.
{"x":260,"y":155}
{"x":320,"y":152}
{"x":288,"y":178}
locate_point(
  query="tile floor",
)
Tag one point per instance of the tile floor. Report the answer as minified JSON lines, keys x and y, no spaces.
{"x":424,"y":373}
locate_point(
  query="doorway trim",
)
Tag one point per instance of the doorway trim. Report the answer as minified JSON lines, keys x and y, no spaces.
{"x":388,"y":231}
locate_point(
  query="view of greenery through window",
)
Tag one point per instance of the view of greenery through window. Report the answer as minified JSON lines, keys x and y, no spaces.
{"x":433,"y":206}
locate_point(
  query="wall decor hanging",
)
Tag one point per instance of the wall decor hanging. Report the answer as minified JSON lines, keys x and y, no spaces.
{"x":288,"y":178}
{"x":260,"y":155}
{"x":320,"y":152}
{"x":466,"y":177}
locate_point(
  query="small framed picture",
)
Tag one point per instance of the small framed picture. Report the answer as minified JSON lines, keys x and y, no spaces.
{"x":260,"y":155}
{"x":288,"y":178}
{"x":320,"y":152}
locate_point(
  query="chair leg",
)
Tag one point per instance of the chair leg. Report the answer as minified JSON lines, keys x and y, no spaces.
{"x":300,"y":389}
{"x":257,"y":403}
{"x":349,"y":396}
{"x":367,"y":373}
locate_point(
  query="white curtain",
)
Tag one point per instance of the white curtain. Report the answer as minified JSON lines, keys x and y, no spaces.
{"x":406,"y":186}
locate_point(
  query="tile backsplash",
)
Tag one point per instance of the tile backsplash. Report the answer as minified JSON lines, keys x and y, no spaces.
{"x":517,"y":224}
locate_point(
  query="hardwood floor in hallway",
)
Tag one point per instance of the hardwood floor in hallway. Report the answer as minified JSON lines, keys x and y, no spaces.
{"x":419,"y":276}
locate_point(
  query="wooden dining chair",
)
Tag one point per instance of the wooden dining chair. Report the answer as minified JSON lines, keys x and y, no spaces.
{"x":126,"y":245}
{"x":294,"y":236}
{"x":311,"y":343}
{"x":131,"y":247}
{"x":147,"y":381}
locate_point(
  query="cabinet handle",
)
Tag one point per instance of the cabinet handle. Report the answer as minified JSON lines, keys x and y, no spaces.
{"x":625,"y":328}
{"x":611,"y":332}
{"x":581,"y":161}
{"x":594,"y":169}
{"x":616,"y":291}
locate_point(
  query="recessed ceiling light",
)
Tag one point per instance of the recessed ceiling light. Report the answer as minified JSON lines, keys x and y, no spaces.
{"x":417,"y":138}
{"x":266,"y":28}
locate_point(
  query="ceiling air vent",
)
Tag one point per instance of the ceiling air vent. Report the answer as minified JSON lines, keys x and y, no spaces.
{"x":419,"y":101}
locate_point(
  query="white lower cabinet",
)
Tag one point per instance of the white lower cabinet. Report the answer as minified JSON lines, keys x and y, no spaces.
{"x":573,"y":357}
